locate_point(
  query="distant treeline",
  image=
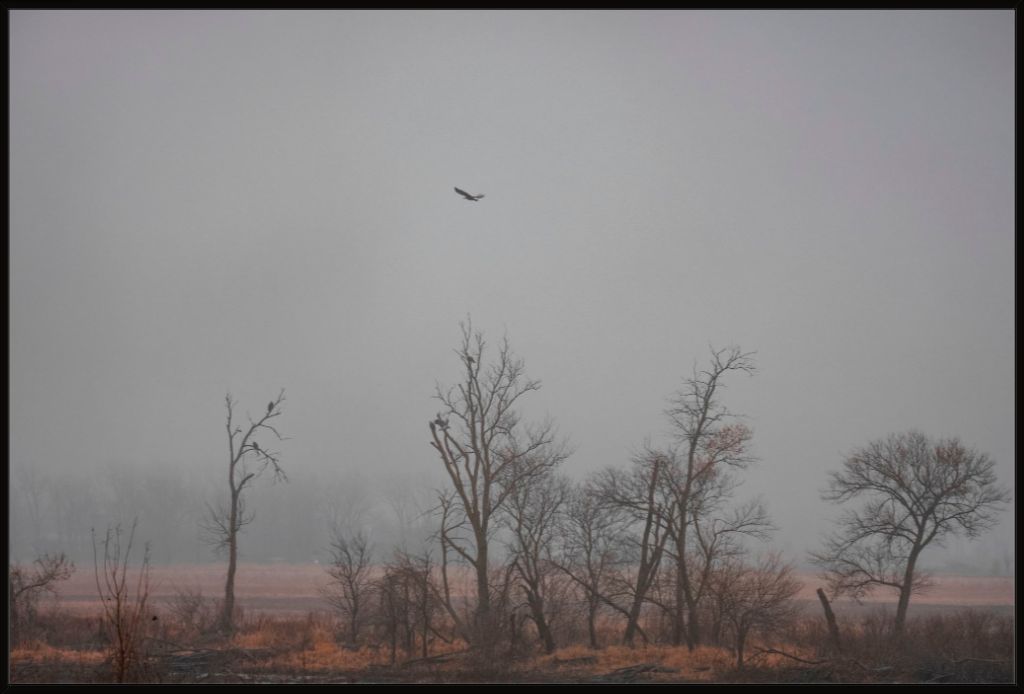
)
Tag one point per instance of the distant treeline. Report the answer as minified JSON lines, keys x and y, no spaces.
{"x":54,"y":511}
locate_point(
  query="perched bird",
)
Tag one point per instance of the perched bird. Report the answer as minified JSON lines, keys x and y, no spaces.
{"x":270,"y":406}
{"x":470,"y":359}
{"x":466,"y":195}
{"x":443,"y":423}
{"x":255,"y":446}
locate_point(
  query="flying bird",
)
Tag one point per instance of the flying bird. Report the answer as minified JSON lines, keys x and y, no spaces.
{"x":466,"y":195}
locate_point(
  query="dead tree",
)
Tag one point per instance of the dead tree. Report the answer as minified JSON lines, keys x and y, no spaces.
{"x":486,"y":453}
{"x":917,"y":492}
{"x":247,"y":461}
{"x":26,"y":587}
{"x":710,"y":441}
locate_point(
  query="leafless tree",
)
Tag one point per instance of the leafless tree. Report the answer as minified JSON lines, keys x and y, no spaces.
{"x":25,"y":587}
{"x":486,"y":453}
{"x":591,"y":550}
{"x":247,"y":460}
{"x":124,"y":610}
{"x":719,"y":538}
{"x":351,"y":583}
{"x":424,"y":597}
{"x":408,"y":604}
{"x":534,"y":518}
{"x":710,"y":441}
{"x":917,"y":491}
{"x":756,"y":597}
{"x":639,"y":495}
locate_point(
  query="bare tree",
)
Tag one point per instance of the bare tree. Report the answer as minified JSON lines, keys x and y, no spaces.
{"x":247,"y":460}
{"x":717,"y":539}
{"x":25,"y":587}
{"x":591,"y":550}
{"x":917,"y":491}
{"x":755,"y":597}
{"x":486,"y":453}
{"x":710,"y":441}
{"x":423,"y":597}
{"x":408,"y":603}
{"x":351,"y":585}
{"x":124,"y":611}
{"x":534,"y":518}
{"x":639,"y":494}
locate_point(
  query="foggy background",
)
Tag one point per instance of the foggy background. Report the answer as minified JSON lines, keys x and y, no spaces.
{"x":214,"y":201}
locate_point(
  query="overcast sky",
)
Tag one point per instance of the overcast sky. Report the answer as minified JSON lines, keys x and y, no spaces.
{"x":204,"y":201}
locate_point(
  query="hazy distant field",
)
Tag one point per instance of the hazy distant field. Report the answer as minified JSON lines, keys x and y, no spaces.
{"x":289,"y":588}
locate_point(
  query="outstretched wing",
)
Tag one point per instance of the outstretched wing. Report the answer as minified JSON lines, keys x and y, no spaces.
{"x":463,"y":193}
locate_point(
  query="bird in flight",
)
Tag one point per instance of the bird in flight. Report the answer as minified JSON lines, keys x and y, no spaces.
{"x":466,"y":195}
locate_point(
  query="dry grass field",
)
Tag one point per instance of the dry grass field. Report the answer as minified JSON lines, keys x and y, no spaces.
{"x":962,"y":630}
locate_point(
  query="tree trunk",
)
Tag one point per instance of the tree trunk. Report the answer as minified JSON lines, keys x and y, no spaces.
{"x":741,"y":638}
{"x":904,"y":601}
{"x":484,"y":631}
{"x":678,"y":623}
{"x":692,"y":622}
{"x":536,"y":604}
{"x":227,"y":616}
{"x":591,"y":625}
{"x":830,"y":617}
{"x":633,"y":619}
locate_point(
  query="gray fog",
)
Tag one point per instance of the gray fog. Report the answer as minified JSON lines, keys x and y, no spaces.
{"x":244,"y":201}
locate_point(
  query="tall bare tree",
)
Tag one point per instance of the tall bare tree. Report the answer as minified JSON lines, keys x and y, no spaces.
{"x":917,"y":491}
{"x":486,"y":452}
{"x":710,"y":442}
{"x":247,"y":461}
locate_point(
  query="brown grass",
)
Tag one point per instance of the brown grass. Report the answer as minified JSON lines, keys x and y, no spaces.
{"x":38,"y":652}
{"x":297,"y":636}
